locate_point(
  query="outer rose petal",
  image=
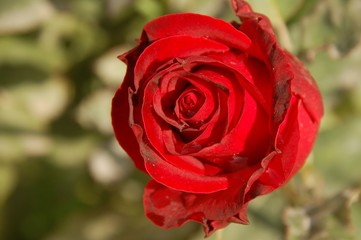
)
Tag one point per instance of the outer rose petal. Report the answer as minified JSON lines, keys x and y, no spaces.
{"x":196,"y":25}
{"x":120,"y":112}
{"x":286,"y":66}
{"x":294,"y":142}
{"x":173,"y":177}
{"x":170,"y":208}
{"x":241,"y":6}
{"x":171,"y":49}
{"x":296,"y":134}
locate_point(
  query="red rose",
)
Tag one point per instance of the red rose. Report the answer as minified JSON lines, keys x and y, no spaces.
{"x":216,"y":113}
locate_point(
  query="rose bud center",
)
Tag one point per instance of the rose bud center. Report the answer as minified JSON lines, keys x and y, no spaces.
{"x":189,"y":103}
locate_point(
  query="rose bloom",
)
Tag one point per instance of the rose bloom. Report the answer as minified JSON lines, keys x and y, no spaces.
{"x":215,"y":113}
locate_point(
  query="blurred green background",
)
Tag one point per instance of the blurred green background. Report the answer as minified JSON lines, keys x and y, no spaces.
{"x":62,"y":174}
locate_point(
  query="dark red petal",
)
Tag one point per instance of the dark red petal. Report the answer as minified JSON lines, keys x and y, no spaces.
{"x":158,"y":127}
{"x":165,"y":100}
{"x":249,"y":139}
{"x":196,"y":25}
{"x":154,"y":128}
{"x":169,"y":85}
{"x":122,"y":130}
{"x":294,"y":142}
{"x":263,"y":79}
{"x":253,"y":70}
{"x":285,"y":66}
{"x":172,"y":47}
{"x":261,"y":134}
{"x":211,"y":132}
{"x":241,"y":6}
{"x":156,"y":164}
{"x":225,"y":80}
{"x":189,"y":102}
{"x":120,"y":111}
{"x":240,"y":79}
{"x":211,"y":103}
{"x":208,"y":125}
{"x":169,"y":208}
{"x":304,"y":86}
{"x":173,"y":177}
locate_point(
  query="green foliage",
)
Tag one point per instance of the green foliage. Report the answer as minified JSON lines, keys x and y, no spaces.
{"x":62,"y":174}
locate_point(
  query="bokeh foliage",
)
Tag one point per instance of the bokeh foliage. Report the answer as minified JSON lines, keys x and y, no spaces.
{"x":62,"y":174}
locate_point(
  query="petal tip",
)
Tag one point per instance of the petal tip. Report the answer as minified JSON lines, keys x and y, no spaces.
{"x":241,"y":6}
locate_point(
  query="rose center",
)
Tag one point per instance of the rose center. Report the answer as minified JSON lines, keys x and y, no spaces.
{"x":189,"y":103}
{"x":189,"y":100}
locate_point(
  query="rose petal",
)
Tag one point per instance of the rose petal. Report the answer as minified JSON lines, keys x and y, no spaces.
{"x":123,"y":133}
{"x":274,"y":175}
{"x":304,"y":86}
{"x":263,"y":79}
{"x":211,"y":103}
{"x":196,"y":25}
{"x":120,"y":112}
{"x":248,"y":140}
{"x":153,"y":128}
{"x":213,"y":132}
{"x":188,"y":104}
{"x":169,"y":208}
{"x":173,"y":177}
{"x":165,"y":100}
{"x":172,"y":47}
{"x":294,"y":142}
{"x":254,"y":71}
{"x":285,"y":65}
{"x":165,"y":93}
{"x":180,"y":179}
{"x":241,"y":6}
{"x":192,"y":62}
{"x":225,"y":80}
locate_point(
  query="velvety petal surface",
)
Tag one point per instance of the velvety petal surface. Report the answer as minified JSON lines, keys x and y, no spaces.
{"x":172,"y":47}
{"x":196,"y":25}
{"x":120,"y":112}
{"x":284,"y":65}
{"x":297,"y":103}
{"x":170,"y":208}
